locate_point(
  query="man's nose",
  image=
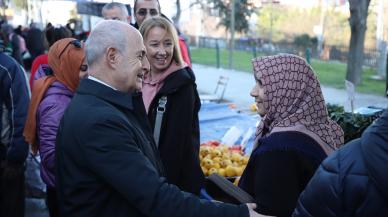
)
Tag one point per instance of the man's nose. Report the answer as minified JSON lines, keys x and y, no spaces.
{"x":146,"y":64}
{"x":148,"y":15}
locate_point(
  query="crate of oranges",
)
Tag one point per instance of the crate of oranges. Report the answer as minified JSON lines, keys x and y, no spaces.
{"x":229,"y":162}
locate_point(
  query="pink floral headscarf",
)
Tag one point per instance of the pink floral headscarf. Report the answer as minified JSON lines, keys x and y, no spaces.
{"x":294,"y":101}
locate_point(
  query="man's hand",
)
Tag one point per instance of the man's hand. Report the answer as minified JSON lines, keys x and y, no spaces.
{"x":252,"y":213}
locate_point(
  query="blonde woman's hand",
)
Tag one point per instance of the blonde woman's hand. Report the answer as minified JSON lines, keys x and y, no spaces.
{"x":252,"y":213}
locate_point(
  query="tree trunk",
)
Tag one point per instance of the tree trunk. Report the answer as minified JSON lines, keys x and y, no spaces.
{"x":381,"y":44}
{"x":178,"y":12}
{"x":357,"y":21}
{"x":381,"y":60}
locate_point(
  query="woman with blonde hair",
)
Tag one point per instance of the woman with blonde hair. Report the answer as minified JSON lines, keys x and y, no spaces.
{"x":172,"y":103}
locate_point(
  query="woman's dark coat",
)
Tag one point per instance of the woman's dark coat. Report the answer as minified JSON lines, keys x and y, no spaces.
{"x":179,"y":134}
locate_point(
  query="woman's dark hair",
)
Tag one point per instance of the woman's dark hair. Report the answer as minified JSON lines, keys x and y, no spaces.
{"x":54,"y":34}
{"x":49,"y":25}
{"x":3,"y":41}
{"x":18,"y":30}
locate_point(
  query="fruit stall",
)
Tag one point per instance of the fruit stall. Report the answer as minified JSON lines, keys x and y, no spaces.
{"x":226,"y":161}
{"x":227,"y":137}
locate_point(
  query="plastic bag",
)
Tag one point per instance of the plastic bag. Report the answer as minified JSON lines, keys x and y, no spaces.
{"x":35,"y":187}
{"x":231,"y":136}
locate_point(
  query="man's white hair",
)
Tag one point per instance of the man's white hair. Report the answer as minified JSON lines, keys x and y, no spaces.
{"x":106,"y":34}
{"x":112,"y":5}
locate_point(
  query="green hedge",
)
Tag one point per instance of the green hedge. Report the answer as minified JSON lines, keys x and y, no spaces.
{"x":353,"y":125}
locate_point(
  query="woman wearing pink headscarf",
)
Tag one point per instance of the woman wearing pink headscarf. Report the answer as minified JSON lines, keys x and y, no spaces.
{"x":295,"y":133}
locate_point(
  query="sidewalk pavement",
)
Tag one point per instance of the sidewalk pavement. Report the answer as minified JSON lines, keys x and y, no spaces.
{"x":241,"y":83}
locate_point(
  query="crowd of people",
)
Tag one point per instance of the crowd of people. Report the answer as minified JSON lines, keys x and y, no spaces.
{"x":115,"y":122}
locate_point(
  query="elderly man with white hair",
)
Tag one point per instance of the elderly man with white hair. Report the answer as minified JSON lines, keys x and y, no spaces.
{"x":106,"y":158}
{"x":116,"y":11}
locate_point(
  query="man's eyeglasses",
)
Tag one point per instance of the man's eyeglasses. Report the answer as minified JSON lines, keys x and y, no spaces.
{"x":151,"y":12}
{"x":76,"y":43}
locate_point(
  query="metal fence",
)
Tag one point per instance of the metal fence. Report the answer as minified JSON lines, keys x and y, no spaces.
{"x":257,"y":46}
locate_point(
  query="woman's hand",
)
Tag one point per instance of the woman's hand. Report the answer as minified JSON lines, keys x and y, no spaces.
{"x":252,"y":213}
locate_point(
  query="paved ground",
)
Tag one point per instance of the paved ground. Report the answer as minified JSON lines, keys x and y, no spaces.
{"x":240,"y":84}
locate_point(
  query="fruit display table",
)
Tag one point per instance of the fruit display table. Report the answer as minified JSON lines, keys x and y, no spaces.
{"x":216,"y":120}
{"x":221,"y":159}
{"x":226,"y":140}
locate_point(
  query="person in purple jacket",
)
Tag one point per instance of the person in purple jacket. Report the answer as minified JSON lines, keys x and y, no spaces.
{"x":50,"y":98}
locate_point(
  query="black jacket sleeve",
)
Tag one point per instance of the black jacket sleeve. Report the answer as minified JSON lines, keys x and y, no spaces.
{"x":113,"y":154}
{"x":320,"y":198}
{"x":336,"y":184}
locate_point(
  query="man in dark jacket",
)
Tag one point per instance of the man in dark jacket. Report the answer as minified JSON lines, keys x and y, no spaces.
{"x":14,"y":43}
{"x":352,"y":181}
{"x":14,"y":99}
{"x":107,"y":164}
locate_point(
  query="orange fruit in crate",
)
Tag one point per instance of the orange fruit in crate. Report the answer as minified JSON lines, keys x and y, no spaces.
{"x":239,"y":171}
{"x":216,"y":153}
{"x":217,"y":159}
{"x":212,"y":170}
{"x":245,"y":160}
{"x":230,"y":171}
{"x":221,"y":172}
{"x":226,"y":163}
{"x":207,"y":163}
{"x":204,"y":150}
{"x":222,"y":159}
{"x":223,"y":148}
{"x":236,"y":157}
{"x":204,"y":170}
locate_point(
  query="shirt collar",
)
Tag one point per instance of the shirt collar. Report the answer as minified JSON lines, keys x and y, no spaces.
{"x":92,"y":87}
{"x":99,"y":81}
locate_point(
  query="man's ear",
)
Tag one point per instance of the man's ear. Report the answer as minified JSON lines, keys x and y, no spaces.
{"x":112,"y":57}
{"x":129,"y":19}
